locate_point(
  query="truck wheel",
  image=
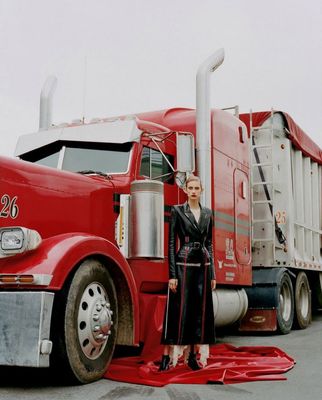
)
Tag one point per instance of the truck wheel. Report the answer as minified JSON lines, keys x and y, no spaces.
{"x":317,"y":290}
{"x":85,"y":324}
{"x":303,"y":306}
{"x":285,"y":308}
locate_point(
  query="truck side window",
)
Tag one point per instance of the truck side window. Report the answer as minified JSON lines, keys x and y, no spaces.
{"x":154,"y":165}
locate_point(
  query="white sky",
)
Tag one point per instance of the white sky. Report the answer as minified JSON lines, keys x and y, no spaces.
{"x":119,"y":57}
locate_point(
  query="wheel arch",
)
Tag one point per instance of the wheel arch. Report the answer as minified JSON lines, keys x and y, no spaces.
{"x":126,"y":291}
{"x":126,"y":307}
{"x":62,"y":255}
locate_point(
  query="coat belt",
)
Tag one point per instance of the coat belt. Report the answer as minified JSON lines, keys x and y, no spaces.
{"x":191,"y":264}
{"x":194,"y":245}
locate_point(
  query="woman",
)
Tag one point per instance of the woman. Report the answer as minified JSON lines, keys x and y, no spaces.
{"x":189,"y":318}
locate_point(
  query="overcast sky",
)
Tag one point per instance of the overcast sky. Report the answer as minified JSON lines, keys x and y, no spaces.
{"x":119,"y":57}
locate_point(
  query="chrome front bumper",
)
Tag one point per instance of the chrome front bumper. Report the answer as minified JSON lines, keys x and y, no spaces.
{"x":25,"y":328}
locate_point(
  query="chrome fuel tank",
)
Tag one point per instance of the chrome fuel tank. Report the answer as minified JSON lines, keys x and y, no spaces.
{"x":146,"y":228}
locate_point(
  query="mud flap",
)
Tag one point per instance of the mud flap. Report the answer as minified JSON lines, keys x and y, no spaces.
{"x":263,"y":300}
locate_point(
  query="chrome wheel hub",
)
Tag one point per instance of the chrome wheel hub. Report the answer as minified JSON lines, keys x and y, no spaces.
{"x":94,"y":320}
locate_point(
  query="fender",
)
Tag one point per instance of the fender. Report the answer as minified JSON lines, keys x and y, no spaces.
{"x":58,"y":256}
{"x":264,"y":292}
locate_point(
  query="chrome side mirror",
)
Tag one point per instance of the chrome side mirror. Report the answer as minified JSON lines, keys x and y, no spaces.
{"x":185,"y":152}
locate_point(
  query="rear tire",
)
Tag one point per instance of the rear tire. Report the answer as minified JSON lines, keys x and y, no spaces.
{"x":316,"y":283}
{"x":285,"y":308}
{"x":303,"y":302}
{"x":85,"y":324}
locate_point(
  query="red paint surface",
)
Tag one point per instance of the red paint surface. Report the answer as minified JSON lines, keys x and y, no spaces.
{"x":228,"y":155}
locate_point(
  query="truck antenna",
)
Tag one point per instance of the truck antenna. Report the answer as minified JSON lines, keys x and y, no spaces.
{"x":84,"y":88}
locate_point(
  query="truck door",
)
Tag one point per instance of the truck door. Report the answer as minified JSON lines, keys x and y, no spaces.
{"x":242,"y":216}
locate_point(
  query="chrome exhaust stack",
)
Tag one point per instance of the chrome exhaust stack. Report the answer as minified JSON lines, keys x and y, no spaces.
{"x":203,"y":122}
{"x":46,"y":107}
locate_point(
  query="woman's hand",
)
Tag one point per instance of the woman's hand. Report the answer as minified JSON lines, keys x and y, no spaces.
{"x":173,"y":283}
{"x":213,"y":284}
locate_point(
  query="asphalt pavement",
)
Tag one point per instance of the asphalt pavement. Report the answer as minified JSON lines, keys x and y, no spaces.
{"x":303,"y":382}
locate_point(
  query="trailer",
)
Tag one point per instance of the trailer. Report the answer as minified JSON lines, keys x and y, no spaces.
{"x":286,"y":221}
{"x":84,"y":222}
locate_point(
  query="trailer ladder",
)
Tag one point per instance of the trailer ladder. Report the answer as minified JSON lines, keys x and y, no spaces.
{"x":265,"y":228}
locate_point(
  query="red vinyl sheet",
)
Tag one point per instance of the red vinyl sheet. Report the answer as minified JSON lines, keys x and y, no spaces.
{"x":226,"y":364}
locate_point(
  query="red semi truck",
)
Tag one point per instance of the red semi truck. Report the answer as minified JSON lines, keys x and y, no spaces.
{"x":84,"y":224}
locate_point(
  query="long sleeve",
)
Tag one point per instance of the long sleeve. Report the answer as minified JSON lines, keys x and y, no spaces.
{"x":209,"y":247}
{"x":172,"y":244}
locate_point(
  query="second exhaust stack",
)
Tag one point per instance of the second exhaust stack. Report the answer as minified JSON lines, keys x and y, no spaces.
{"x":203,"y":122}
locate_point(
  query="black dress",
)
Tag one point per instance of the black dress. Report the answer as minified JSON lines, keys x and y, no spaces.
{"x":189,"y":315}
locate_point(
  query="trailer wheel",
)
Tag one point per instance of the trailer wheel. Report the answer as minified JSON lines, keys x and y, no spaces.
{"x":317,"y":290}
{"x":303,"y":302}
{"x":285,"y":308}
{"x":85,"y":331}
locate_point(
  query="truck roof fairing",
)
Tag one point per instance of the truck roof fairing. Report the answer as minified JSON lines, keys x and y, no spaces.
{"x":116,"y":131}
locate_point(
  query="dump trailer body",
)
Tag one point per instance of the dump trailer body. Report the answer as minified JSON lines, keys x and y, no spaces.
{"x":286,"y":194}
{"x":286,"y":174}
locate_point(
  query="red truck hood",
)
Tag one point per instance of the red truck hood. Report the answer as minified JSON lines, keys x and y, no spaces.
{"x":53,"y":201}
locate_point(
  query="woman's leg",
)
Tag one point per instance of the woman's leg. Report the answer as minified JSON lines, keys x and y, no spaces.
{"x":192,"y":360}
{"x":165,"y":361}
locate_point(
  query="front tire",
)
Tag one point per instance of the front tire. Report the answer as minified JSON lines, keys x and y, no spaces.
{"x":85,"y":324}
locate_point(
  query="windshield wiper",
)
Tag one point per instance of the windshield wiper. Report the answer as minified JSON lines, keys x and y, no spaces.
{"x":92,"y":172}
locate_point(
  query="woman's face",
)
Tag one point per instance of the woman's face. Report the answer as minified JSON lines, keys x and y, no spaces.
{"x":193,"y":190}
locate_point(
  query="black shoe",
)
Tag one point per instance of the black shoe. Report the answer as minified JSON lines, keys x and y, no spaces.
{"x":165,"y":363}
{"x":192,"y":362}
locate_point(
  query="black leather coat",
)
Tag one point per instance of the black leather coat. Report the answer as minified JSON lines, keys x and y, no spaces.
{"x":189,"y":317}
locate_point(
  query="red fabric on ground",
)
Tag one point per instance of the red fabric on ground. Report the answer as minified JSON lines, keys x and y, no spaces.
{"x":226,"y":364}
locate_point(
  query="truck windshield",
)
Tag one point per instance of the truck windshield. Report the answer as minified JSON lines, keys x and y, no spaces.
{"x":107,"y":158}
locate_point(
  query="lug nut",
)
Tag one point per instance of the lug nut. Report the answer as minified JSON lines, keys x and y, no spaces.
{"x":103,"y":302}
{"x":98,"y":307}
{"x":96,"y":328}
{"x":95,"y":317}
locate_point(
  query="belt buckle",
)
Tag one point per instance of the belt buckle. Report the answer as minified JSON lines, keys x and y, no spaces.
{"x":196,"y":245}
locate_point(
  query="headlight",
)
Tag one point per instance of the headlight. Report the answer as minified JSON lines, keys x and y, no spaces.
{"x":16,"y":240}
{"x":12,"y":240}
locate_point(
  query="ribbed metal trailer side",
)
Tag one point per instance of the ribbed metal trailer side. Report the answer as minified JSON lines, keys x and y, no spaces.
{"x":286,"y":223}
{"x":307,"y":216}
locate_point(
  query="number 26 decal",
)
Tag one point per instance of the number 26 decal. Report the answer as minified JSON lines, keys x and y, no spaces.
{"x":9,"y":207}
{"x":281,"y":217}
